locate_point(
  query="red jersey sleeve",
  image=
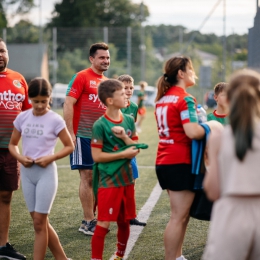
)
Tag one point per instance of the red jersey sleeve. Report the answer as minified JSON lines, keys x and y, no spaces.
{"x":76,"y":86}
{"x":26,"y":103}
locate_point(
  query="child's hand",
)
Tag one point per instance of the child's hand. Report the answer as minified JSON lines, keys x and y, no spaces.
{"x":44,"y":161}
{"x":130,"y":152}
{"x":26,"y":161}
{"x":119,"y":132}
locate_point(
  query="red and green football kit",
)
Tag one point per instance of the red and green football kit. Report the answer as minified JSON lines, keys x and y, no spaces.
{"x":88,"y":108}
{"x":103,"y":137}
{"x":223,"y":119}
{"x":13,"y":100}
{"x":131,"y":109}
{"x":172,"y":111}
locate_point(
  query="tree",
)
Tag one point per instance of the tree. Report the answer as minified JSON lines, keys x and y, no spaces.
{"x":3,"y":20}
{"x":97,"y":13}
{"x":23,"y":32}
{"x":21,"y":6}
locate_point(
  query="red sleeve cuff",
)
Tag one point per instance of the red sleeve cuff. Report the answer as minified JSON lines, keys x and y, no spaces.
{"x":97,"y":145}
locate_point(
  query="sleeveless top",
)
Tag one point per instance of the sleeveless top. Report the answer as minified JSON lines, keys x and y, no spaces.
{"x":239,"y":177}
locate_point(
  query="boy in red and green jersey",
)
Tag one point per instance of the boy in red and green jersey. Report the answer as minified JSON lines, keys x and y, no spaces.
{"x":131,"y":109}
{"x":221,"y":112}
{"x":112,"y":132}
{"x":103,"y":138}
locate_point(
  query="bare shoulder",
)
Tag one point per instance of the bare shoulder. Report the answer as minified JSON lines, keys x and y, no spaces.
{"x":215,"y":137}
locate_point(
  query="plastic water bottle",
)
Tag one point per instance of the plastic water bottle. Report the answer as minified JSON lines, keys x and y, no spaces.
{"x":202,"y":114}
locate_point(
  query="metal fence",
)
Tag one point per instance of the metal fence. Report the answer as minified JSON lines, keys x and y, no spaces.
{"x":132,"y":52}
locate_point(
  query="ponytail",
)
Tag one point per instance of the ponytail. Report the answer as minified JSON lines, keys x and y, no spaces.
{"x":162,"y":87}
{"x":241,"y":121}
{"x":244,"y":98}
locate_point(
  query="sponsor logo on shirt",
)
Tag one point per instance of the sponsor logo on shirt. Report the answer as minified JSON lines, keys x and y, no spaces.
{"x":168,"y":99}
{"x":92,"y":84}
{"x":17,"y":83}
{"x":185,"y":115}
{"x":94,"y":98}
{"x":2,"y":76}
{"x":10,"y":100}
{"x":170,"y":141}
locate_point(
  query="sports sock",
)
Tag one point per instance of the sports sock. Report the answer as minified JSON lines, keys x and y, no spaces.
{"x":97,"y":242}
{"x":179,"y":258}
{"x":122,"y":237}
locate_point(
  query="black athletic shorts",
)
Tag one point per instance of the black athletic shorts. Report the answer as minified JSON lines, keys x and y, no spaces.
{"x":175,"y":177}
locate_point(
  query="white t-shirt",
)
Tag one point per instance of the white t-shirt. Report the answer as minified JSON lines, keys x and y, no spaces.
{"x":39,"y":133}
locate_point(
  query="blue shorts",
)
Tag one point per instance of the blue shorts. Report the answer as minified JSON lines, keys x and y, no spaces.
{"x":81,"y":157}
{"x":134,"y":168}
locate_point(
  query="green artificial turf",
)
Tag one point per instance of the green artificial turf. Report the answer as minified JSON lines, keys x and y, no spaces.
{"x":66,"y":214}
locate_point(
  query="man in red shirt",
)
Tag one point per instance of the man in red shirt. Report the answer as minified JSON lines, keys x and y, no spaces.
{"x":13,"y":100}
{"x":82,"y":108}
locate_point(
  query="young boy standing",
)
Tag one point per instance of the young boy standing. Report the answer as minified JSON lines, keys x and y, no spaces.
{"x":131,"y":109}
{"x":221,"y":112}
{"x":115,"y":197}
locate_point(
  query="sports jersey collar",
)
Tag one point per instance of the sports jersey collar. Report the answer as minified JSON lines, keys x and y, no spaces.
{"x":113,"y":121}
{"x":217,"y":115}
{"x":4,"y":72}
{"x":99,"y":75}
{"x":177,"y":89}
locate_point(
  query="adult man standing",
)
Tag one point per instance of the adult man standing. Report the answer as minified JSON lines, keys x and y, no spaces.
{"x":81,"y":109}
{"x":13,"y":99}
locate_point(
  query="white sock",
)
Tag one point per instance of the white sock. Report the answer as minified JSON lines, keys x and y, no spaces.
{"x":179,"y":258}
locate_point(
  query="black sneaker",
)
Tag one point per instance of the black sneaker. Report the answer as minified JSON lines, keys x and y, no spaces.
{"x":136,"y":222}
{"x":90,"y":227}
{"x":9,"y":252}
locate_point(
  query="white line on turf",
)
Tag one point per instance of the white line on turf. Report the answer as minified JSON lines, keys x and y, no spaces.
{"x":143,"y":216}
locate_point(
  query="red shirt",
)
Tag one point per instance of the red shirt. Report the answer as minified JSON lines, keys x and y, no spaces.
{"x":13,"y":100}
{"x":173,"y":110}
{"x":88,"y":107}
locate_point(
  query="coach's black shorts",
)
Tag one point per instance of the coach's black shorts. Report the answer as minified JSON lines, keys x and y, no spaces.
{"x":175,"y":177}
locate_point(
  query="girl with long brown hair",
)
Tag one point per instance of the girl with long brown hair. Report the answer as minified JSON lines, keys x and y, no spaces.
{"x":177,"y":123}
{"x":233,"y":179}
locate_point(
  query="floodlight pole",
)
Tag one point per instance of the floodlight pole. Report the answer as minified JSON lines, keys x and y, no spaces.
{"x":40,"y":21}
{"x":224,"y":42}
{"x":142,"y":46}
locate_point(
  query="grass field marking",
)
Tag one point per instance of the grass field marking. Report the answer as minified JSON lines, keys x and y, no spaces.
{"x":143,"y":216}
{"x":139,"y":166}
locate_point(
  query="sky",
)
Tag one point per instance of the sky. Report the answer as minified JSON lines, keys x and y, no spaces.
{"x":189,"y":13}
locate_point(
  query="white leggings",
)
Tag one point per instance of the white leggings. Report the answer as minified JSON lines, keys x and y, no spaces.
{"x":39,"y":187}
